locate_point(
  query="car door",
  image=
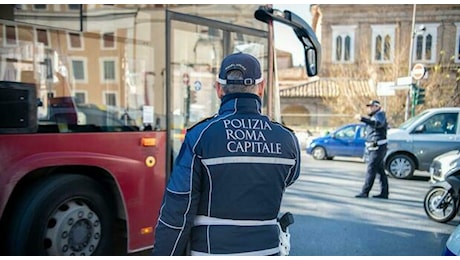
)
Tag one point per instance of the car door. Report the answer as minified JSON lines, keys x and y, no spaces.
{"x":358,"y":144}
{"x":342,"y":143}
{"x":434,"y":136}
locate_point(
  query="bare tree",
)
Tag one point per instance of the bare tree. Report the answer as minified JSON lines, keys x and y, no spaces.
{"x":351,"y":98}
{"x":442,"y":86}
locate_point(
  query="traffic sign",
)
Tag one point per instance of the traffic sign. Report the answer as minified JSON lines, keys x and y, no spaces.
{"x":404,"y":81}
{"x":418,"y":71}
{"x":385,"y":89}
{"x":401,"y":83}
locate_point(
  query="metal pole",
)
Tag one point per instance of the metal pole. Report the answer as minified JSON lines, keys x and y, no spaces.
{"x":409,"y":92}
{"x":413,"y":88}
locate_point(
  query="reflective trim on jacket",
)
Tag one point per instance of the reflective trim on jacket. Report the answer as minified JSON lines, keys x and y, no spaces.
{"x":235,"y":165}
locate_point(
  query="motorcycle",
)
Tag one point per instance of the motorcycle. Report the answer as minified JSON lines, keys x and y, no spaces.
{"x":441,"y":202}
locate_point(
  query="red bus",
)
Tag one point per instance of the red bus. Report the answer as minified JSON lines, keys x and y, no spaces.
{"x":94,"y":100}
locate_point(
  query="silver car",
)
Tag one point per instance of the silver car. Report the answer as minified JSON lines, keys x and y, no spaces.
{"x":443,"y":164}
{"x":415,"y":144}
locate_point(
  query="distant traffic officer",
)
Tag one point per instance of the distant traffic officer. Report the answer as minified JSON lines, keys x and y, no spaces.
{"x":376,"y":148}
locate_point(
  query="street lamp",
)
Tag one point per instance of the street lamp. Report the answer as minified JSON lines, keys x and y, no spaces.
{"x":414,"y":32}
{"x":421,"y":29}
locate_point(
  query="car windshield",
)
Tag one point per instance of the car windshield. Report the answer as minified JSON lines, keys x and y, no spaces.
{"x":406,"y":124}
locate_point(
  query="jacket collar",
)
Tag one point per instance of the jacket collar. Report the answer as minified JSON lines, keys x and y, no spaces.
{"x":240,"y":102}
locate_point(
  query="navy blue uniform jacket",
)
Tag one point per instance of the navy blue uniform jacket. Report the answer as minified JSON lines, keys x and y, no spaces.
{"x":227,"y":183}
{"x":376,"y":128}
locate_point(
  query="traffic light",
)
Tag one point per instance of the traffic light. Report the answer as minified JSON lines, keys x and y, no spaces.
{"x":419,"y":96}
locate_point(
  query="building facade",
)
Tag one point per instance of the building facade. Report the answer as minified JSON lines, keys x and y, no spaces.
{"x":381,"y":43}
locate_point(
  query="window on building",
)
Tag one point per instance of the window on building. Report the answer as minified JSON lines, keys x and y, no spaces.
{"x":387,"y":48}
{"x":108,"y":40}
{"x":48,"y":69}
{"x":424,"y":47}
{"x":110,"y":99}
{"x":80,"y":97}
{"x":378,"y":48}
{"x":424,"y":50}
{"x":109,"y":70}
{"x":75,"y":41}
{"x":458,"y":48}
{"x":347,"y":49}
{"x":78,"y":69}
{"x":457,"y":44}
{"x":343,"y":38}
{"x":339,"y":46}
{"x":74,"y":7}
{"x":39,"y":7}
{"x":383,"y":43}
{"x":11,"y":36}
{"x":42,"y":36}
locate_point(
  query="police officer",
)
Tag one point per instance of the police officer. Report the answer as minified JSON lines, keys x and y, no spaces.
{"x":376,"y":148}
{"x":225,"y":191}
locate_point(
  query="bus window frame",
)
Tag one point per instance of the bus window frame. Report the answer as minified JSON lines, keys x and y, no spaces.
{"x":227,"y":29}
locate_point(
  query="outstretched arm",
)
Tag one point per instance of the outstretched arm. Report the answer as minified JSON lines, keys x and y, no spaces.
{"x":377,"y":121}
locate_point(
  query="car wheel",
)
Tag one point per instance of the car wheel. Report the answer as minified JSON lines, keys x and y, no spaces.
{"x":401,"y":166}
{"x":319,"y":153}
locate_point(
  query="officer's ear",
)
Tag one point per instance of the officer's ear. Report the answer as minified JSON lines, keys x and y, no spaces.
{"x":219,"y":90}
{"x":261,"y":88}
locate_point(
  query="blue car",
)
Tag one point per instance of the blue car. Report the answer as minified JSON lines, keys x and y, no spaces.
{"x":452,"y":247}
{"x":347,"y":140}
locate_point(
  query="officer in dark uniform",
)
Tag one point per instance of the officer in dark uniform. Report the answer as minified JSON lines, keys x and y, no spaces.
{"x":376,"y":148}
{"x":225,"y":191}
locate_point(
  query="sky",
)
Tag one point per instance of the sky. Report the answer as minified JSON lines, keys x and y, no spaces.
{"x":285,"y":38}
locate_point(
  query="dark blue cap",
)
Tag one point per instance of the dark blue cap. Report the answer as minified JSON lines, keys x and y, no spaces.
{"x":246,"y":63}
{"x":373,"y":103}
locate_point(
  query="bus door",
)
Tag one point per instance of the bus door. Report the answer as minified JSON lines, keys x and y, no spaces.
{"x":195,"y":49}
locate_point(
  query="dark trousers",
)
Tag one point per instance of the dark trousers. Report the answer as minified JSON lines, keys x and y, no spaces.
{"x":375,"y":165}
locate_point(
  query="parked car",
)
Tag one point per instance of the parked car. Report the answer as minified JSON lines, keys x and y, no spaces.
{"x":413,"y":145}
{"x":443,"y":164}
{"x":347,"y":140}
{"x":452,"y":247}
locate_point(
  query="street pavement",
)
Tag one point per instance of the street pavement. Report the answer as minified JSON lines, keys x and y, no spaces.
{"x":330,"y":221}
